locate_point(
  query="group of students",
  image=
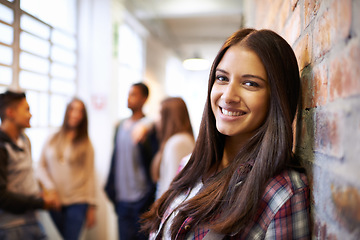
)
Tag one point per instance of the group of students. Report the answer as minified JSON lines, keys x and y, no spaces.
{"x":146,"y":157}
{"x":239,"y":180}
{"x":63,"y":183}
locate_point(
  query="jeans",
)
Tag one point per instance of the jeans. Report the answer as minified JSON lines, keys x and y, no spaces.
{"x":128,"y":214}
{"x":30,"y":231}
{"x":70,"y":220}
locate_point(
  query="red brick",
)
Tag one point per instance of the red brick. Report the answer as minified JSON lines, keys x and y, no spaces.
{"x":318,"y":228}
{"x":311,"y":7}
{"x":323,"y":231}
{"x":303,"y":51}
{"x":331,"y":237}
{"x":332,"y":26}
{"x":320,"y":85}
{"x":347,"y":203}
{"x":293,"y":27}
{"x":344,"y":72}
{"x":327,"y":134}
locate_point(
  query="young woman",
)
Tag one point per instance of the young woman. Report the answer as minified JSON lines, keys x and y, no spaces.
{"x":176,"y":141}
{"x":66,"y":170}
{"x":242,"y":180}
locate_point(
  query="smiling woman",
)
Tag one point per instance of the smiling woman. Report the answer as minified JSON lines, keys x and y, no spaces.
{"x":240,"y":94}
{"x":242,"y":180}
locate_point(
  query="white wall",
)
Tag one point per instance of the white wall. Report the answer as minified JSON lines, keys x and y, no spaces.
{"x":96,"y":85}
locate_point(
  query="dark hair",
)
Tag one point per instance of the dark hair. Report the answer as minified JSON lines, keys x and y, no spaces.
{"x":82,"y":128}
{"x":8,"y":99}
{"x":223,"y":204}
{"x":174,"y":118}
{"x":81,"y":136}
{"x":144,"y":89}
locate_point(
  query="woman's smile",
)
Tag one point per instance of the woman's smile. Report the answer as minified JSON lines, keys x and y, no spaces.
{"x":240,"y":94}
{"x":232,"y":113}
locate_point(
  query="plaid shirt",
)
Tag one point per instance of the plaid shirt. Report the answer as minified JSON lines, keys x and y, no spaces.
{"x":284,"y":212}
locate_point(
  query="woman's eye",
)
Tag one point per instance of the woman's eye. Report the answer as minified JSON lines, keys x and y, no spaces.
{"x":251,"y":84}
{"x":221,"y":78}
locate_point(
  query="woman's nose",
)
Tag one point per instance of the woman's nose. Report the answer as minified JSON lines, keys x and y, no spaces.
{"x":231,"y":94}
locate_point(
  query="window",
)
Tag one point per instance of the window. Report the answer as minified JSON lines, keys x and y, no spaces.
{"x":38,"y":54}
{"x":131,"y":64}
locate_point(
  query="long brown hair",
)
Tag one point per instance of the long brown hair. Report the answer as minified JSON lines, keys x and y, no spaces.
{"x":174,"y":118}
{"x":81,"y":134}
{"x":223,"y":204}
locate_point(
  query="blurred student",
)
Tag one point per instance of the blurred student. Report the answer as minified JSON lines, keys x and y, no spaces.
{"x":19,"y":191}
{"x":66,"y":171}
{"x":176,"y":141}
{"x":129,"y":185}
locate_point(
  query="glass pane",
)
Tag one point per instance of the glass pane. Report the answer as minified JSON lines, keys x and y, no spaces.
{"x":33,"y":44}
{"x":31,"y":25}
{"x":6,"y":55}
{"x":62,"y":39}
{"x":7,"y":34}
{"x":58,"y":70}
{"x":28,"y":80}
{"x":61,"y":86}
{"x":44,"y":110}
{"x":61,"y":55}
{"x":37,"y":137}
{"x":33,"y":63}
{"x":6,"y":75}
{"x":61,"y":14}
{"x":39,"y":108}
{"x":57,"y":109}
{"x":6,"y":14}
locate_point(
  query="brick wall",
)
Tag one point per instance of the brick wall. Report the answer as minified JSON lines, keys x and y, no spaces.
{"x":325,"y":35}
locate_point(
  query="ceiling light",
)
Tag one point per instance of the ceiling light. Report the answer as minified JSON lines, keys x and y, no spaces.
{"x":196,"y":64}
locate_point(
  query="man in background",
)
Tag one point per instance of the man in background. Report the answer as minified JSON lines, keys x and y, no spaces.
{"x":129,"y":184}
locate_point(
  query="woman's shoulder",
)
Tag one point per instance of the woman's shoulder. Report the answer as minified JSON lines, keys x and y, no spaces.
{"x":285,"y":200}
{"x":183,"y":162}
{"x":180,"y":138}
{"x":292,"y":178}
{"x":285,"y":185}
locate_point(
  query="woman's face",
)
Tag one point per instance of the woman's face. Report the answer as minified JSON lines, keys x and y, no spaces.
{"x":76,"y":114}
{"x":240,"y":94}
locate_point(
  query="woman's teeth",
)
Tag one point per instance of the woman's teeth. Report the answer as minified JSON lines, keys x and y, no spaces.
{"x":230,"y":113}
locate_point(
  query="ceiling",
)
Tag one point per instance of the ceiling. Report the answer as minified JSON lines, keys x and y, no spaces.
{"x":189,"y":27}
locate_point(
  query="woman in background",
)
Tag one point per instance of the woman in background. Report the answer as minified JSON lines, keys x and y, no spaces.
{"x":176,"y":141}
{"x":66,"y":171}
{"x":242,"y":180}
